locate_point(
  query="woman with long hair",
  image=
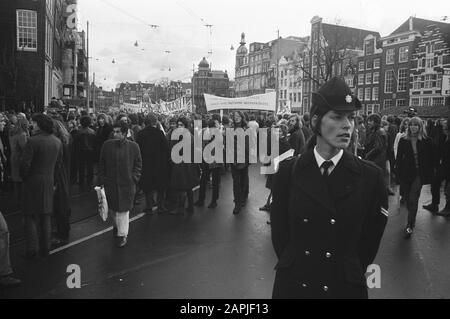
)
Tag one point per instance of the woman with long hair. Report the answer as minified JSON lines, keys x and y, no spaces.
{"x":239,"y":171}
{"x":415,"y":167}
{"x":18,"y":137}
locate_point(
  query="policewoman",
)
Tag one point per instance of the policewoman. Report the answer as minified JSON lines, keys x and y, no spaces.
{"x":329,"y":207}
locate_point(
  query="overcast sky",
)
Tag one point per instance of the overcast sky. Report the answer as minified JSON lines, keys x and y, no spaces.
{"x":115,"y":26}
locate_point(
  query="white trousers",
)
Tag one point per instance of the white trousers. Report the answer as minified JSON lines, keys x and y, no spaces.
{"x":121,"y":222}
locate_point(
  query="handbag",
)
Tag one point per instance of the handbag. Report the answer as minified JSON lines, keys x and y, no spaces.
{"x":102,"y":203}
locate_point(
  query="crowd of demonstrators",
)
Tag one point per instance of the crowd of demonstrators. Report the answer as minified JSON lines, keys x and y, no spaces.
{"x":42,"y":156}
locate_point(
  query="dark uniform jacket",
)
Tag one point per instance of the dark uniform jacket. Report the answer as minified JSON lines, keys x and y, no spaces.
{"x":326,"y":234}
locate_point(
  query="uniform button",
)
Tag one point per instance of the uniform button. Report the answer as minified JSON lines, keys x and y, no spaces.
{"x":333,"y":221}
{"x":307,"y":253}
{"x":325,"y":288}
{"x":306,"y":220}
{"x":328,"y":255}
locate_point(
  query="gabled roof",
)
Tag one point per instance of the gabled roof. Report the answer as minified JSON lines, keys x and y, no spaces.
{"x":346,"y":37}
{"x":420,"y":25}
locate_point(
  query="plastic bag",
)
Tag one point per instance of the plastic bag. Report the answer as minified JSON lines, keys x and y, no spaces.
{"x":102,"y":203}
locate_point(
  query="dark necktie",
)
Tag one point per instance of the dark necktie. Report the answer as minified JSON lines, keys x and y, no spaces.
{"x":326,"y":166}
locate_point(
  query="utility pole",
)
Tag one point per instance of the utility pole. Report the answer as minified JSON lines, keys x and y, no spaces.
{"x":94,"y":94}
{"x":278,"y":72}
{"x":193,"y":92}
{"x":88,"y":81}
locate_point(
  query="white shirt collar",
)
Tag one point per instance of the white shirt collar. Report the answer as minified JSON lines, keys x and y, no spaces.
{"x":335,"y":159}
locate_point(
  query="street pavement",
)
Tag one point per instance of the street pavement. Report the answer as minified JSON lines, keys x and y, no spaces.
{"x":214,"y":254}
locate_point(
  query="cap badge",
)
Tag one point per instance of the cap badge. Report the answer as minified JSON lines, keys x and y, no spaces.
{"x":348,"y":99}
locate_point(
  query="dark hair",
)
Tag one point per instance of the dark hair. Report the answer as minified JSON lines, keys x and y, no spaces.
{"x":376,"y":120}
{"x":306,"y":117}
{"x":216,"y":117}
{"x":151,"y":119}
{"x":85,"y":121}
{"x":391,"y":119}
{"x":243,"y":120}
{"x":212,"y":123}
{"x":44,"y":122}
{"x":134,"y":119}
{"x":184,"y":120}
{"x":122,"y":125}
{"x":225,"y":120}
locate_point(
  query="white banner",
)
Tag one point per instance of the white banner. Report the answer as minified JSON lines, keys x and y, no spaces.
{"x":264,"y":102}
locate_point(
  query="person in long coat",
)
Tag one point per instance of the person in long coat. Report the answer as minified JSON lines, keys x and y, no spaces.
{"x":61,"y":205}
{"x":119,"y":171}
{"x":296,"y":137}
{"x":41,"y":158}
{"x":185,"y":175}
{"x":329,"y":207}
{"x":18,"y":138}
{"x":415,"y":157}
{"x":155,"y":163}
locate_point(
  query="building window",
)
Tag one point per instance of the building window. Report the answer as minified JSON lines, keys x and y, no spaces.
{"x":376,"y":77}
{"x":429,"y":81}
{"x":430,"y":63}
{"x":361,"y":66}
{"x":426,"y":101}
{"x":415,"y":102}
{"x":369,"y":65}
{"x":389,"y":81}
{"x":388,"y":103}
{"x":403,"y":54}
{"x":376,"y":63}
{"x":417,"y":83}
{"x":360,"y":79}
{"x":368,"y":78}
{"x":369,"y":47}
{"x":367,"y":94}
{"x":375,"y":94}
{"x":349,"y":82}
{"x":299,"y":97}
{"x":26,"y":30}
{"x":361,"y":94}
{"x":401,"y":102}
{"x":402,"y":79}
{"x":281,"y":94}
{"x":430,"y":47}
{"x":439,"y":60}
{"x":295,"y":98}
{"x":438,"y":101}
{"x":290,"y":96}
{"x":439,"y":81}
{"x":390,"y":53}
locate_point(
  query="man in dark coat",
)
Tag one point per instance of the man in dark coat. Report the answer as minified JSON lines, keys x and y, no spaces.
{"x":442,"y":174}
{"x":84,"y":144}
{"x":119,"y":170}
{"x":329,"y":208}
{"x":155,"y":159}
{"x":41,"y":158}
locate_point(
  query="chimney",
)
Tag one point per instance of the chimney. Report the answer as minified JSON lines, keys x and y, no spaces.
{"x":410,"y":23}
